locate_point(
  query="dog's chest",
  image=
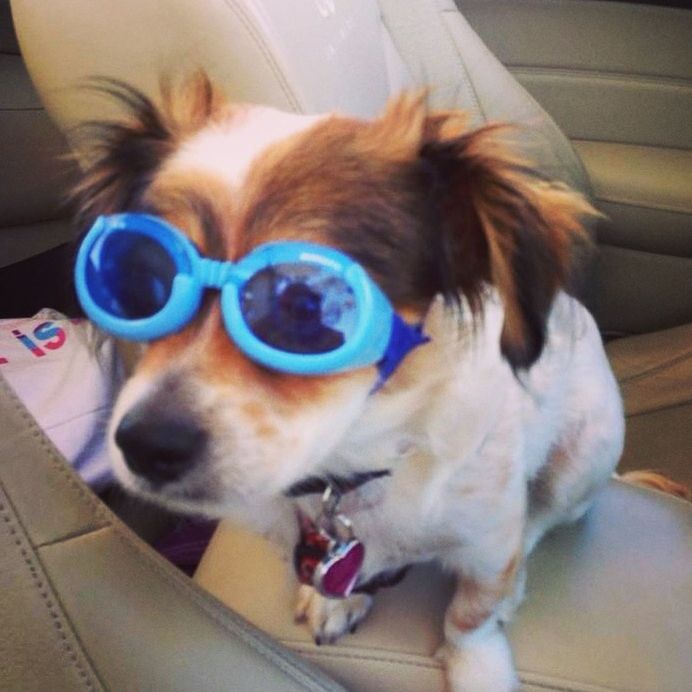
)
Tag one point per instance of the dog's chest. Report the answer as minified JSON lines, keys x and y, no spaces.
{"x":396,"y":516}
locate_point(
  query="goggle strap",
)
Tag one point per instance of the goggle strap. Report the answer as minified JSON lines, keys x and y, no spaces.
{"x":402,"y":340}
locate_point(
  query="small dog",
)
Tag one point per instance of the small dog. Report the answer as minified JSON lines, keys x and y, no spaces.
{"x":495,"y":418}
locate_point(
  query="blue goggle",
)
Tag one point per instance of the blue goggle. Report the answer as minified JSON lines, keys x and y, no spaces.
{"x":291,"y":306}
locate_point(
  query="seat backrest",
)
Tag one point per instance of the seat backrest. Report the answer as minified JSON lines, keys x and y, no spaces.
{"x":302,"y":57}
{"x":305,"y":57}
{"x":443,"y":52}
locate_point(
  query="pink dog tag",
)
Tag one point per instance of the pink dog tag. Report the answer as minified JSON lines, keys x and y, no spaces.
{"x":328,"y":556}
{"x":337,"y":572}
{"x":327,"y":562}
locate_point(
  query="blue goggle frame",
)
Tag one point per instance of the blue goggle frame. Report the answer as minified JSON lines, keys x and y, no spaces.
{"x":377,"y":334}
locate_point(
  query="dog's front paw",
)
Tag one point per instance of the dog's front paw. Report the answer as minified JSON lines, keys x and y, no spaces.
{"x":329,"y":618}
{"x":508,"y":607}
{"x":480,"y":664}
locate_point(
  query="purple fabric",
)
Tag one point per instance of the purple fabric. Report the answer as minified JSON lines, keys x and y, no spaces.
{"x":186,"y":543}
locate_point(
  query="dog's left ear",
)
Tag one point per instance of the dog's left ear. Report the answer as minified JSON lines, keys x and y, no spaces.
{"x":120,"y":157}
{"x":498,"y":222}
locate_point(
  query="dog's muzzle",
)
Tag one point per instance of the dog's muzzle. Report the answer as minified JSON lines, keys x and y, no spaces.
{"x":160,"y":450}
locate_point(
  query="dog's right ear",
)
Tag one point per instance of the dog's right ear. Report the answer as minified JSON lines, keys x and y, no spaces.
{"x":121,"y":157}
{"x":500,"y":223}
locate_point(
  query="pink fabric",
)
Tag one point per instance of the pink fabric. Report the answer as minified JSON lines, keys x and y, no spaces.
{"x":66,"y":373}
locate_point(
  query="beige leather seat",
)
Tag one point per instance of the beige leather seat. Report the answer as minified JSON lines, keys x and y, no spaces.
{"x":607,"y":606}
{"x":86,"y":605}
{"x":655,"y":375}
{"x":597,"y":617}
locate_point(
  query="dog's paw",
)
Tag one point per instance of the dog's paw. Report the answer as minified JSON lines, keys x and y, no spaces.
{"x":508,"y":607}
{"x":329,"y":618}
{"x":482,"y":664}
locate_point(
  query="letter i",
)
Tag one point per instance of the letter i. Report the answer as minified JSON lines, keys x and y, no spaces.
{"x":26,"y":341}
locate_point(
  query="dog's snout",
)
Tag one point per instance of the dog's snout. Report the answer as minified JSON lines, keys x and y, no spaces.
{"x":159,"y":449}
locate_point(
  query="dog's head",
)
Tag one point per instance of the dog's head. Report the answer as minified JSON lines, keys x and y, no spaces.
{"x":426,"y":206}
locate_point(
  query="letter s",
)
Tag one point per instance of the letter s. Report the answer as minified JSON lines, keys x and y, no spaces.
{"x":47,"y":330}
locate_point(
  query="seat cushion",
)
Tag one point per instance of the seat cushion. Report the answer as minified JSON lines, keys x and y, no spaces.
{"x":607,"y":607}
{"x":655,"y":375}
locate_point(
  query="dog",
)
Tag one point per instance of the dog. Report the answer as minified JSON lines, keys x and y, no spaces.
{"x":500,"y":422}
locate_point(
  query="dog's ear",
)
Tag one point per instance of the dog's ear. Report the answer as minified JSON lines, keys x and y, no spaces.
{"x":121,"y":157}
{"x":499,"y":223}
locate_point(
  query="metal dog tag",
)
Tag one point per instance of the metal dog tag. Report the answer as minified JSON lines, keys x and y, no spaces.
{"x":328,"y":556}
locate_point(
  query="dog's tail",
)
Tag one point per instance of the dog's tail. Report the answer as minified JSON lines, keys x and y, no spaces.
{"x":647,"y":478}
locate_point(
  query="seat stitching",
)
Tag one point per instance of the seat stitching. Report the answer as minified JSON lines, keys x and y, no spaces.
{"x":7,"y":109}
{"x":467,"y":74}
{"x":72,"y":536}
{"x":58,"y":462}
{"x":429,"y":665}
{"x":560,"y":684}
{"x":658,"y":409}
{"x":628,"y":78}
{"x":308,"y":653}
{"x":415,"y":56}
{"x":644,"y":204}
{"x":41,"y":583}
{"x":595,"y":140}
{"x":657,"y":368}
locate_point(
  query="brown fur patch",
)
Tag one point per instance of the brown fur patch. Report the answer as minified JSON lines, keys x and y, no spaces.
{"x":541,"y":487}
{"x":356,"y":186}
{"x":449,"y":210}
{"x":159,"y":355}
{"x":256,"y":411}
{"x":197,"y":203}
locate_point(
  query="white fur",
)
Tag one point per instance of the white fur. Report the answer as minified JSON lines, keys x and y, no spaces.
{"x":228,"y":148}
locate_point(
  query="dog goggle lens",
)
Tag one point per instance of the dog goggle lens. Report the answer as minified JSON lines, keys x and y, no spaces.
{"x":299,"y":308}
{"x":130,"y":275}
{"x":291,"y":306}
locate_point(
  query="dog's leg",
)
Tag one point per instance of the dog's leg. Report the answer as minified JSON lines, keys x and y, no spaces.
{"x":329,"y":618}
{"x":481,"y":661}
{"x":477,"y":654}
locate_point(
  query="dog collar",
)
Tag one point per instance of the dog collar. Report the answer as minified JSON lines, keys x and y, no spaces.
{"x":314,"y":485}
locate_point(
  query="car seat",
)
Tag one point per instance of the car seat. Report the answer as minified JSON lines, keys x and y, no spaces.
{"x":35,"y":172}
{"x":90,"y":605}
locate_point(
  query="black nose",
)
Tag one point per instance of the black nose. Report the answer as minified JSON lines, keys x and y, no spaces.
{"x":159,"y":449}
